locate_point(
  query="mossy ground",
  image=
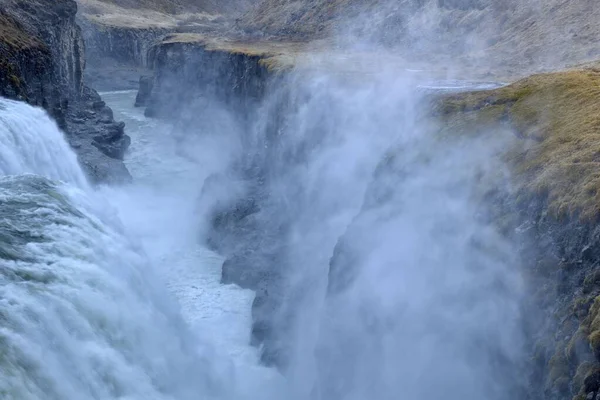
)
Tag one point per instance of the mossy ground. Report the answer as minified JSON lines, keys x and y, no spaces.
{"x":556,"y":116}
{"x":12,"y":36}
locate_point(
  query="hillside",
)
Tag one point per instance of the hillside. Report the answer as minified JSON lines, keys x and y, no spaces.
{"x":522,"y":33}
{"x":158,"y":12}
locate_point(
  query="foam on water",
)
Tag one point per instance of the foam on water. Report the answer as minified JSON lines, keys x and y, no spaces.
{"x":84,"y":312}
{"x":30,"y":142}
{"x":160,"y":210}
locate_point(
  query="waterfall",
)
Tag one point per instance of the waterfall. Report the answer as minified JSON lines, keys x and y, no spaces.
{"x":378,"y":270}
{"x":30,"y":142}
{"x":80,"y":314}
{"x":83,"y":311}
{"x":80,"y":317}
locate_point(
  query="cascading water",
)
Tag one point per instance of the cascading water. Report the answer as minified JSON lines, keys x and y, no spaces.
{"x":30,"y":142}
{"x":420,"y":299}
{"x":82,"y":315}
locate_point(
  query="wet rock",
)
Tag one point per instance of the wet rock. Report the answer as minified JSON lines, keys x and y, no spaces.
{"x":236,"y":80}
{"x":42,"y":62}
{"x":145,"y":90}
{"x":106,"y":117}
{"x":592,"y":382}
{"x":98,"y":105}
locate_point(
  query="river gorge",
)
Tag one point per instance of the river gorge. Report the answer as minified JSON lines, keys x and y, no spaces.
{"x":235,"y":218}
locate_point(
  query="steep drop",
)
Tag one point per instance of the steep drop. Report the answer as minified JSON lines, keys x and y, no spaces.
{"x":83,"y":312}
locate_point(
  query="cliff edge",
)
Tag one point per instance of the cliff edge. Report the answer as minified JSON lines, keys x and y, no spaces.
{"x":42,"y":56}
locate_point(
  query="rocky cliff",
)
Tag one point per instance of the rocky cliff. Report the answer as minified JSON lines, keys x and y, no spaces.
{"x":552,"y":214}
{"x":119,"y":35}
{"x":43,"y":59}
{"x":236,"y":78}
{"x":193,"y":83}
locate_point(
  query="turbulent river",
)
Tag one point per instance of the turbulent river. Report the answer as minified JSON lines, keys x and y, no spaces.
{"x":109,"y":293}
{"x":105,"y":293}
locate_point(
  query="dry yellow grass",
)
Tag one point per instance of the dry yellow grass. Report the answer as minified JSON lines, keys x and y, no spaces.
{"x":557,"y":117}
{"x":318,"y":55}
{"x":111,"y":14}
{"x":519,"y":36}
{"x":275,"y":55}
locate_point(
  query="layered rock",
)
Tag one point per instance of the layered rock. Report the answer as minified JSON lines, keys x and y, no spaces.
{"x":117,"y":56}
{"x":121,"y":44}
{"x":188,"y":70}
{"x":43,"y":63}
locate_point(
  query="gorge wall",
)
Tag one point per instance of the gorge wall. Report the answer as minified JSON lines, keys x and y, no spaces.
{"x":556,"y":216}
{"x":551,"y":214}
{"x":43,"y":60}
{"x":194,"y":86}
{"x":258,"y":205}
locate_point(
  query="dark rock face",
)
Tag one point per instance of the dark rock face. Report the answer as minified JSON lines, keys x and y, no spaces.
{"x":145,"y":90}
{"x":251,"y":229}
{"x":563,"y":256}
{"x":185,"y":72}
{"x":118,"y":56}
{"x":99,"y":141}
{"x":121,"y":44}
{"x":45,"y":68}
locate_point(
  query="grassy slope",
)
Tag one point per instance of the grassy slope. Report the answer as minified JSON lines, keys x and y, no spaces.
{"x":557,"y":118}
{"x":162,"y":8}
{"x":168,"y":6}
{"x":165,"y":14}
{"x":516,"y":32}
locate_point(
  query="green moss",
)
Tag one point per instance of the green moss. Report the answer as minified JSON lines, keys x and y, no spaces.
{"x":594,"y":339}
{"x":15,"y":80}
{"x":577,"y":348}
{"x":14,"y":37}
{"x":559,"y":366}
{"x":581,"y":307}
{"x":584,"y":370}
{"x":591,"y":281}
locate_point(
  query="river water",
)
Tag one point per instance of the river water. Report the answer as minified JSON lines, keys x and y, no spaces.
{"x":105,"y":293}
{"x":160,"y":210}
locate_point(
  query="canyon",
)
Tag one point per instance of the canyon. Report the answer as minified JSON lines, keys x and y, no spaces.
{"x":255,"y":71}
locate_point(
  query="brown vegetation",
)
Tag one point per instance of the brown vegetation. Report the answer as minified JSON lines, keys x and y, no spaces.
{"x":513,"y":34}
{"x":13,"y":36}
{"x":557,"y":118}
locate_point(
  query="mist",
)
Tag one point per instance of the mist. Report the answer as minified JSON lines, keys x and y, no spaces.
{"x":369,"y":236}
{"x":368,"y":233}
{"x":311,"y":231}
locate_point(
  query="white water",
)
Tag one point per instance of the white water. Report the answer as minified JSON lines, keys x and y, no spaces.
{"x":106,"y":294}
{"x":31,"y":143}
{"x":160,"y":210}
{"x":84,"y":311}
